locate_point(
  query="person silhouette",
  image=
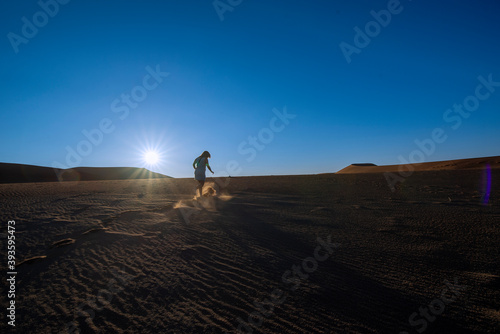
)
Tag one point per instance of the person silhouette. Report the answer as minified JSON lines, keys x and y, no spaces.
{"x":200,"y":164}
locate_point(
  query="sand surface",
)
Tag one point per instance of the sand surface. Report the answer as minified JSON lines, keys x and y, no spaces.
{"x":143,"y":256}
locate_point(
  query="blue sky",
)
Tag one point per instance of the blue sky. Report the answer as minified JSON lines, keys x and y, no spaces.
{"x":226,"y":76}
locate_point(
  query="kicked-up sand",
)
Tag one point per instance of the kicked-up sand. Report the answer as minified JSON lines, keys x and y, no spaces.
{"x":331,"y":253}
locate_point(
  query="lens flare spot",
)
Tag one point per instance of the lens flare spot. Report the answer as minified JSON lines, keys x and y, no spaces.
{"x":486,"y":184}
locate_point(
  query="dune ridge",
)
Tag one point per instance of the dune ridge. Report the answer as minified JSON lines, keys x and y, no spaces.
{"x":457,"y":164}
{"x":20,"y":173}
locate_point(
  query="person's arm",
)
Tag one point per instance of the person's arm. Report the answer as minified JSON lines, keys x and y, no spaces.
{"x":208,"y":166}
{"x":194,"y":163}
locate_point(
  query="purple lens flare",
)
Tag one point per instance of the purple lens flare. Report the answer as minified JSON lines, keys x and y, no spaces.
{"x":486,"y":184}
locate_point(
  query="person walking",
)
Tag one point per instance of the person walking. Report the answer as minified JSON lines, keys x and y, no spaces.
{"x":200,"y":165}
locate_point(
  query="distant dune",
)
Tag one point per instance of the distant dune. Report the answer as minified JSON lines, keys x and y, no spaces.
{"x":19,"y":173}
{"x":461,"y":164}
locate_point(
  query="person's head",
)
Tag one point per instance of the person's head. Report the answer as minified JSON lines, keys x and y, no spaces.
{"x":205,"y":155}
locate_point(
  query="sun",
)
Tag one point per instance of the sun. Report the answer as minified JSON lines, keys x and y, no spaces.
{"x":151,"y":157}
{"x":150,"y":152}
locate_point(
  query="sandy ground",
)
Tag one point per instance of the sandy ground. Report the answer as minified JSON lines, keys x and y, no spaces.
{"x":291,"y":254}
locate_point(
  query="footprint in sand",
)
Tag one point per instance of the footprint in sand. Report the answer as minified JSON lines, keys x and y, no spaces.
{"x":31,"y":260}
{"x":63,"y":242}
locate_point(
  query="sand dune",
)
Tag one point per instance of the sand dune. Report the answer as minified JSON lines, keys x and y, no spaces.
{"x":18,"y":173}
{"x":145,"y":256}
{"x":475,"y":163}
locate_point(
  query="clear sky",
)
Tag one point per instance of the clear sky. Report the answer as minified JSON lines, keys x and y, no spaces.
{"x":90,"y":77}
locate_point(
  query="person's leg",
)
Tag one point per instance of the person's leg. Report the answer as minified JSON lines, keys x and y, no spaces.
{"x":200,"y":186}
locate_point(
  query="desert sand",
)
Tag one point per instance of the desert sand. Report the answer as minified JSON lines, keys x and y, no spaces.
{"x":329,"y":253}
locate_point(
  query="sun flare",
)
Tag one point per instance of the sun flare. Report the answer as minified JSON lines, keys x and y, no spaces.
{"x":151,"y":157}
